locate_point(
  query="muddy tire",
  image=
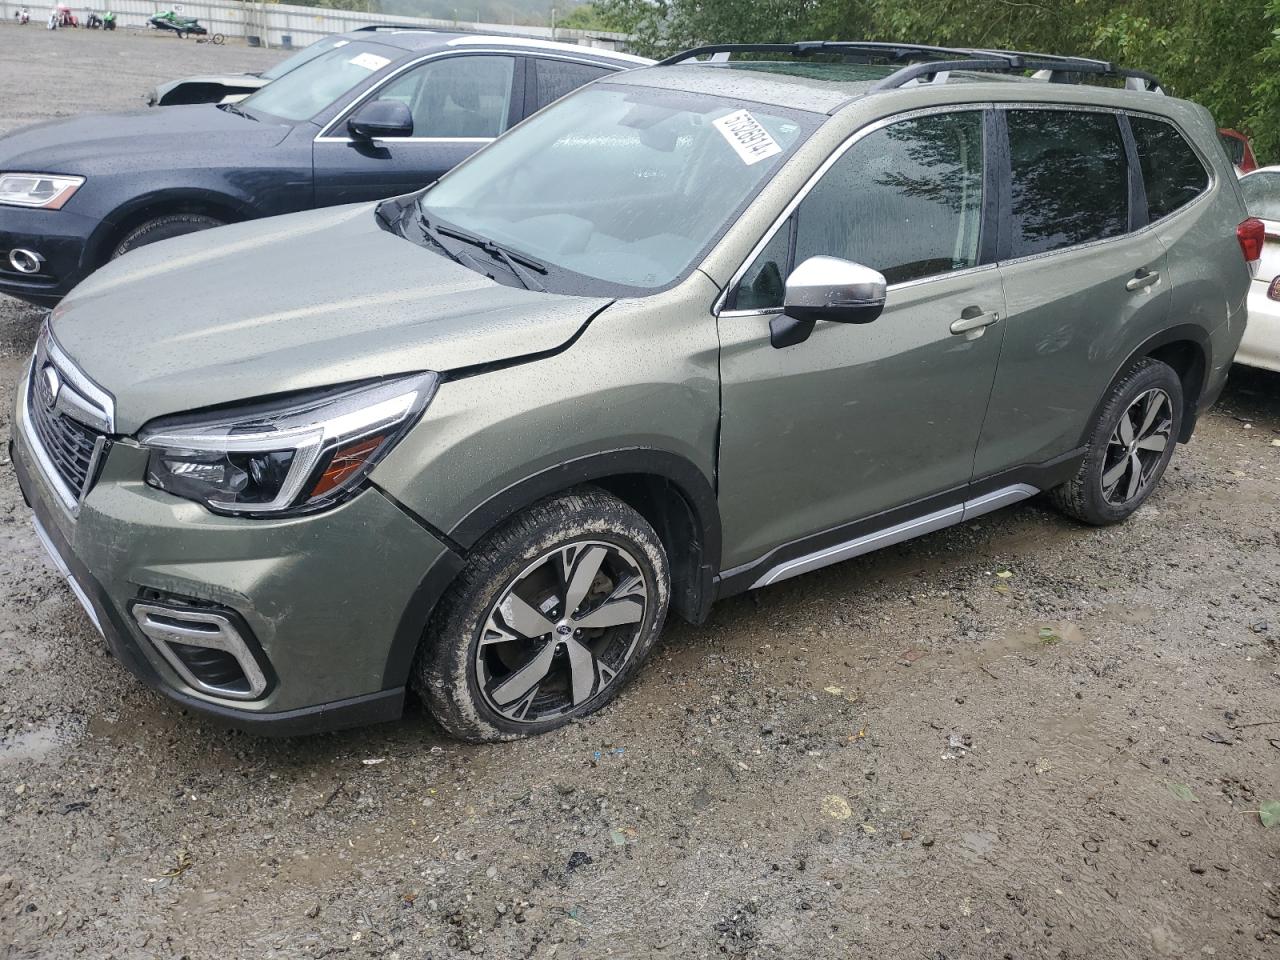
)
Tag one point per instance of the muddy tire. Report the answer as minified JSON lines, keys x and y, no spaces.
{"x":163,"y":228}
{"x":1129,"y":449}
{"x":551,"y":615}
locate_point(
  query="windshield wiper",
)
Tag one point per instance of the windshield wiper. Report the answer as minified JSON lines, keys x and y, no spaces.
{"x":232,"y":108}
{"x":513,"y":259}
{"x":464,"y":259}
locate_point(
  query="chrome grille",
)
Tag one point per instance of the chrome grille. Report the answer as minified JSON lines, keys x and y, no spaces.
{"x":67,"y":421}
{"x":70,"y":446}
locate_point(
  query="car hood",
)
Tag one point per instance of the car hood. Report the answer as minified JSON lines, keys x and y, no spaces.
{"x":85,"y":143}
{"x":237,"y":81}
{"x":292,"y":303}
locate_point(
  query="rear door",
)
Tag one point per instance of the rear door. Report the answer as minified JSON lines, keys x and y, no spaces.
{"x":459,"y":102}
{"x":1085,"y":283}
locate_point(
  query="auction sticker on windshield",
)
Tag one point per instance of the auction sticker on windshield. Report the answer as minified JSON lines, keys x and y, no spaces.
{"x":370,"y":61}
{"x":750,"y":141}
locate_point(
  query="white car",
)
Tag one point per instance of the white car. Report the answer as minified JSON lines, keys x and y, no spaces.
{"x":1261,"y":344}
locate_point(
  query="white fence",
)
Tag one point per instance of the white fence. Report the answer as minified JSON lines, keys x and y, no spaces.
{"x":272,"y":22}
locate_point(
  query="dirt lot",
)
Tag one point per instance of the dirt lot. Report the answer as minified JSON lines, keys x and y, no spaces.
{"x":776,"y":784}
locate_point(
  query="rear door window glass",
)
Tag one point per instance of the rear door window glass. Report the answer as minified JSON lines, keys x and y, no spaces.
{"x":555,"y":78}
{"x":1173,"y":174}
{"x":1070,"y":179}
{"x":905,"y":200}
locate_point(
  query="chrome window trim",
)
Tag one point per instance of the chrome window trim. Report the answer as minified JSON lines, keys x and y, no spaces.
{"x":345,"y":113}
{"x":904,"y":285}
{"x":554,"y":46}
{"x":717,"y":308}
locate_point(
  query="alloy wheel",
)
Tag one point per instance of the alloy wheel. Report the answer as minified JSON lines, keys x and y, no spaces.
{"x":1137,"y":447}
{"x":562,"y":631}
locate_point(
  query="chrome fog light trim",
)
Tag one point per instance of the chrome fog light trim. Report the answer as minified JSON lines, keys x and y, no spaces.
{"x":200,"y":628}
{"x":25,"y":261}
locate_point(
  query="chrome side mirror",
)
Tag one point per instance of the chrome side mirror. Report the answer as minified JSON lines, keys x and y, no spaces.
{"x":827,"y":288}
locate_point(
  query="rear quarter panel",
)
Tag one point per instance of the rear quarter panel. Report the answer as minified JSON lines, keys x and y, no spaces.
{"x":1209,"y":276}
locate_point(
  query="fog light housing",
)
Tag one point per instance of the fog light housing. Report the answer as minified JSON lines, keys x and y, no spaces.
{"x":25,"y":261}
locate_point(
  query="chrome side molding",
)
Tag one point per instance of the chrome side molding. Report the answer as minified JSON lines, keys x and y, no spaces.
{"x":897,"y":533}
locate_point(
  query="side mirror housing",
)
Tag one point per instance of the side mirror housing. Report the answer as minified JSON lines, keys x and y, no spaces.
{"x":381,"y":119}
{"x":828,"y":288}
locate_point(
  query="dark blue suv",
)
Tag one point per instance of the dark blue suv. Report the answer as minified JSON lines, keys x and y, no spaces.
{"x":383,"y":112}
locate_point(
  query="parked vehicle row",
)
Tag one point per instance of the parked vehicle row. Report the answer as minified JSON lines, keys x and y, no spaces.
{"x":692,"y":330}
{"x":369,"y":115}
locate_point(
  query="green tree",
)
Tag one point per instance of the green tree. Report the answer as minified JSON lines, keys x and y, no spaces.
{"x":1224,"y":54}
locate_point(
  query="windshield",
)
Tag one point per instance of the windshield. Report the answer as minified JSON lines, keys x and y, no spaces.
{"x":619,"y":184}
{"x":305,"y":91}
{"x":1262,"y":195}
{"x":305,"y":55}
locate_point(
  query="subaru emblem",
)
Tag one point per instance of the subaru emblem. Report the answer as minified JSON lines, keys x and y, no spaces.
{"x":53,"y":383}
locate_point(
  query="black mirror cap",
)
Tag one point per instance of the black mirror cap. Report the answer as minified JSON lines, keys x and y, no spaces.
{"x":852,"y":311}
{"x":380,"y":119}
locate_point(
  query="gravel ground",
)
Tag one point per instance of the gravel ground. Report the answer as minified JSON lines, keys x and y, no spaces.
{"x":1017,"y":738}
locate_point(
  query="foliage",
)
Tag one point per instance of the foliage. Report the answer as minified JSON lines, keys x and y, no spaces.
{"x":1224,"y":54}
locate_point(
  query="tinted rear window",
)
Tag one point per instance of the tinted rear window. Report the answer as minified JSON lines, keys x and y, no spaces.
{"x":555,"y":78}
{"x":1171,"y":170}
{"x":1070,"y":179}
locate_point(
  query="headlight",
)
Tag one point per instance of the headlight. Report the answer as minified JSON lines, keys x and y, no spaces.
{"x":298,"y":456}
{"x":37,"y":189}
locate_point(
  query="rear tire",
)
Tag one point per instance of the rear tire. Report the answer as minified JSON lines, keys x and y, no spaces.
{"x":1129,"y":449}
{"x":551,"y":615}
{"x":163,"y":228}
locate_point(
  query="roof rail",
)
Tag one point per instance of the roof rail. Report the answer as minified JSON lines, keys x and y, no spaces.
{"x":929,"y":64}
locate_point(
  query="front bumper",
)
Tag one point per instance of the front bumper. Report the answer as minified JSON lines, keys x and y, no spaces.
{"x":325,"y":597}
{"x":62,"y":238}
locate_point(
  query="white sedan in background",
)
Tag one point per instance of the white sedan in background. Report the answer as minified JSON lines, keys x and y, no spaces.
{"x":1261,"y":344}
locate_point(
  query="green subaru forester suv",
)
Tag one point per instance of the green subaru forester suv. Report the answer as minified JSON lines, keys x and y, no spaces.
{"x":695,"y":329}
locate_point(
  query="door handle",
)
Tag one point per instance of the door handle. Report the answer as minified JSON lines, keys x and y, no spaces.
{"x":974,"y":321}
{"x":1143,"y":280}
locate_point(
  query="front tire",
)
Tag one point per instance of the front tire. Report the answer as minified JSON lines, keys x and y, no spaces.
{"x":163,"y":228}
{"x":550,"y":616}
{"x":1129,"y":449}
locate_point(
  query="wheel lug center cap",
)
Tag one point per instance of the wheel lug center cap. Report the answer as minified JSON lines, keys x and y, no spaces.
{"x":564,"y":629}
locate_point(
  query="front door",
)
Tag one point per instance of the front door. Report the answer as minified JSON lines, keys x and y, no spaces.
{"x":459,"y":102}
{"x":858,"y":420}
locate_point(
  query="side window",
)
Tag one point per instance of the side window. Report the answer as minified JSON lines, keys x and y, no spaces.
{"x":464,"y":96}
{"x":555,"y":78}
{"x":1171,"y":170}
{"x":762,"y":286}
{"x":905,"y":200}
{"x":1070,"y":179}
